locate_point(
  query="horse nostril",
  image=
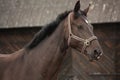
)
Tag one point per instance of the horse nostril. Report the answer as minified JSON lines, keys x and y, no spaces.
{"x":97,"y":54}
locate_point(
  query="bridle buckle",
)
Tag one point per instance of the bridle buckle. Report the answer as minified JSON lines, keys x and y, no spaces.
{"x":87,"y":42}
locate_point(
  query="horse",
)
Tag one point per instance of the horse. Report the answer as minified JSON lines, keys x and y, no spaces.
{"x":41,"y":58}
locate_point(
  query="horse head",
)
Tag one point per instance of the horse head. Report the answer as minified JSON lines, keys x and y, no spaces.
{"x":79,"y":33}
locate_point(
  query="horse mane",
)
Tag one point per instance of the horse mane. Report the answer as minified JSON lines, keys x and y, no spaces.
{"x":47,"y":30}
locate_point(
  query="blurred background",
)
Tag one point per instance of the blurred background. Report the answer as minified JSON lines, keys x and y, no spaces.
{"x":21,"y":19}
{"x":39,"y":12}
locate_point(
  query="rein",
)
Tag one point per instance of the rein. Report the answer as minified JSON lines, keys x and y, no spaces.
{"x":85,"y":41}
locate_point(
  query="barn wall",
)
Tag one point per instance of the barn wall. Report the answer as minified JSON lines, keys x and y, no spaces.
{"x":19,"y":13}
{"x":109,"y":35}
{"x":109,"y":65}
{"x":12,"y":40}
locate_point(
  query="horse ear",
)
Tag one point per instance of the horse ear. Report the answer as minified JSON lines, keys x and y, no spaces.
{"x":77,"y":6}
{"x":86,"y":10}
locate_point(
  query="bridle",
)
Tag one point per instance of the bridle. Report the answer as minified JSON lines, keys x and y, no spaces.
{"x":85,"y":41}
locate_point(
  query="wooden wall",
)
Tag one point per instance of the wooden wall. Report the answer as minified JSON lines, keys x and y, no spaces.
{"x":19,"y":13}
{"x":12,"y":40}
{"x":75,"y":65}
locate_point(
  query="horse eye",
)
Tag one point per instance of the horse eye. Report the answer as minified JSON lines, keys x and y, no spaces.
{"x":79,"y":27}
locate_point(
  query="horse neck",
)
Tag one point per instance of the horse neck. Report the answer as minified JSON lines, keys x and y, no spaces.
{"x":50,"y":53}
{"x":53,"y":41}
